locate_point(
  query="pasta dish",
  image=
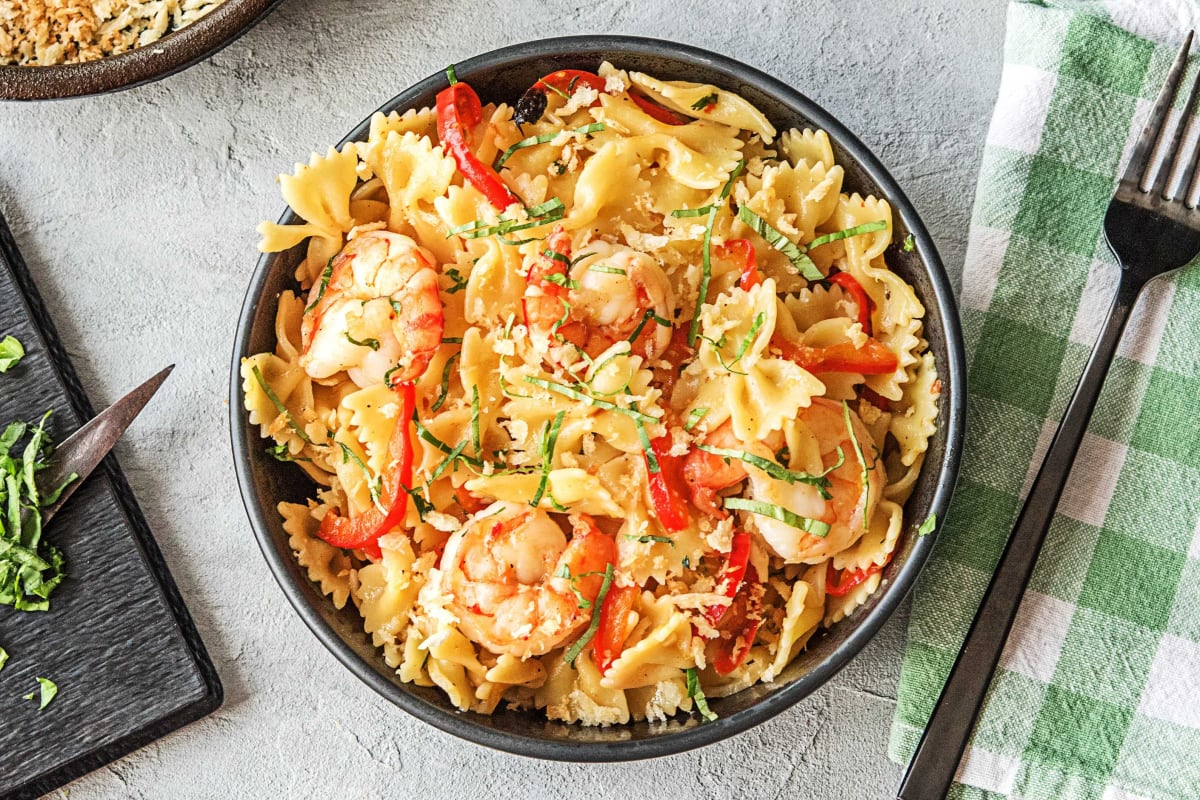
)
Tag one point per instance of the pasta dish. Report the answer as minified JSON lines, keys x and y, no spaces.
{"x":608,"y":397}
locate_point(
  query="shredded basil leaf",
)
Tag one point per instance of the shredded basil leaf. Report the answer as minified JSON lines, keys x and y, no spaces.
{"x":928,"y":526}
{"x":545,"y":138}
{"x":706,"y":253}
{"x":326,"y":274}
{"x":550,"y":211}
{"x":444,"y":392}
{"x":371,"y":343}
{"x":814,"y":526}
{"x":858,"y":452}
{"x":778,"y":471}
{"x":47,"y":690}
{"x":696,"y":693}
{"x":549,"y":440}
{"x":652,"y":465}
{"x":909,"y":245}
{"x":649,"y":315}
{"x":460,"y":282}
{"x":11,"y":352}
{"x":582,"y":641}
{"x":349,"y":455}
{"x":3,"y":657}
{"x":281,"y":452}
{"x":578,"y":395}
{"x":279,"y":406}
{"x":559,"y":279}
{"x":475,"y":444}
{"x":866,"y":227}
{"x":781,"y":243}
{"x":705,"y":102}
{"x":609,"y":270}
{"x":651,"y":538}
{"x":428,"y":436}
{"x":450,"y":458}
{"x":422,"y":505}
{"x":694,"y":418}
{"x":450,"y":76}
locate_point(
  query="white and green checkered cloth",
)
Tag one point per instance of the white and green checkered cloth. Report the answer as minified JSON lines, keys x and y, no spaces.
{"x":1098,"y":694}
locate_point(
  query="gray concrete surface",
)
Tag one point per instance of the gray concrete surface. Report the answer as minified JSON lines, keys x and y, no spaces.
{"x":136,"y":213}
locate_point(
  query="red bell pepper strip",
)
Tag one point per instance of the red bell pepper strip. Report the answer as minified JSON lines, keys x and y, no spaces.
{"x":364,"y":530}
{"x":660,"y":113}
{"x":873,"y":358}
{"x":842,"y":587}
{"x":731,"y":578}
{"x":458,"y":110}
{"x":667,"y":489}
{"x":616,"y":623}
{"x":565,"y":81}
{"x":750,"y":276}
{"x":861,"y":299}
{"x":741,"y":622}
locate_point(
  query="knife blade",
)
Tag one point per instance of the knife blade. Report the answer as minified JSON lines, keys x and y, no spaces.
{"x":83,"y":450}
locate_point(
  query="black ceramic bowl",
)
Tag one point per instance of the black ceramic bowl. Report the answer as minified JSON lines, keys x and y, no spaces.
{"x":170,"y":54}
{"x":504,"y":75}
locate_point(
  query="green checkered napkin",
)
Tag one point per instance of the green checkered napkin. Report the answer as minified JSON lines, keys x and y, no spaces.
{"x":1098,"y":695}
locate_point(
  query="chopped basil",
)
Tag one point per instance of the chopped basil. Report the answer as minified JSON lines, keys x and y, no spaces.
{"x":371,"y":343}
{"x":428,"y":436}
{"x":706,"y":248}
{"x":281,"y":452}
{"x":326,"y":274}
{"x":559,"y":279}
{"x":422,"y":505}
{"x":11,"y":351}
{"x":279,"y":406}
{"x":694,"y":418}
{"x":651,"y":538}
{"x":862,"y":460}
{"x":609,"y":270}
{"x":652,"y":465}
{"x":575,"y":394}
{"x":450,"y":76}
{"x":47,"y":689}
{"x":681,"y":213}
{"x":452,"y":340}
{"x":696,"y":693}
{"x":549,"y":439}
{"x":3,"y":657}
{"x":450,"y":458}
{"x":545,"y":138}
{"x":866,"y":227}
{"x":928,"y":526}
{"x":581,"y":257}
{"x":444,"y":392}
{"x":349,"y":455}
{"x":550,"y":211}
{"x":582,"y":641}
{"x":460,"y":282}
{"x":475,"y":443}
{"x":909,"y":246}
{"x":778,"y":471}
{"x":705,"y":102}
{"x":554,"y":256}
{"x":781,"y":243}
{"x":649,"y":315}
{"x":814,"y":526}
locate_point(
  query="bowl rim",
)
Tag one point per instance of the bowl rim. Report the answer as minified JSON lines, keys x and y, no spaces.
{"x":173,"y":53}
{"x":952,"y":414}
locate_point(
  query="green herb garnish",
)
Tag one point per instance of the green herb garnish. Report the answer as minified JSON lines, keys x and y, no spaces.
{"x":781,"y":243}
{"x":605,"y":269}
{"x":11,"y":351}
{"x":460,"y":282}
{"x":549,"y":438}
{"x":778,"y":471}
{"x":475,"y":444}
{"x":928,"y":526}
{"x":651,"y":538}
{"x":422,"y":505}
{"x":814,"y":526}
{"x":545,"y":138}
{"x":862,"y":461}
{"x":450,"y":76}
{"x":705,"y":102}
{"x":47,"y":689}
{"x":281,"y":452}
{"x":575,"y":394}
{"x":559,"y":279}
{"x":582,"y":641}
{"x":649,"y":315}
{"x":326,"y":274}
{"x":279,"y":406}
{"x":454,"y":454}
{"x":909,"y":245}
{"x":696,"y":693}
{"x":866,"y":227}
{"x":445,"y":390}
{"x":652,"y":465}
{"x":371,"y":343}
{"x":694,"y":418}
{"x":3,"y":657}
{"x":550,"y":211}
{"x":349,"y":455}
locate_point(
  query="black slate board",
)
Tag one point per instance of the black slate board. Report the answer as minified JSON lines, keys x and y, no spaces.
{"x":117,"y":639}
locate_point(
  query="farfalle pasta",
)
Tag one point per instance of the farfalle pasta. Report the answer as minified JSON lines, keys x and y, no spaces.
{"x":608,"y":397}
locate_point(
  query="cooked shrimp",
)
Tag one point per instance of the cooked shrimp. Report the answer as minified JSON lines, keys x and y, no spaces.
{"x":379,"y":311}
{"x":504,"y":572}
{"x":708,"y":475}
{"x":610,"y":294}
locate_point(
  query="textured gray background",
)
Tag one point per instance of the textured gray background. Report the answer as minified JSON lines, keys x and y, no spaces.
{"x":136,"y":213}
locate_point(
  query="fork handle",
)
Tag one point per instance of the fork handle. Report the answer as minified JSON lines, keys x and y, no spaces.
{"x":936,"y":760}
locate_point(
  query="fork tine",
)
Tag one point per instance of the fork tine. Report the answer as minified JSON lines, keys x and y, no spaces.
{"x":1162,"y":183}
{"x":1140,"y":159}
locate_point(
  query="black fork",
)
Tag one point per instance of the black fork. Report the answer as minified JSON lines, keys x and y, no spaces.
{"x":1152,"y":230}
